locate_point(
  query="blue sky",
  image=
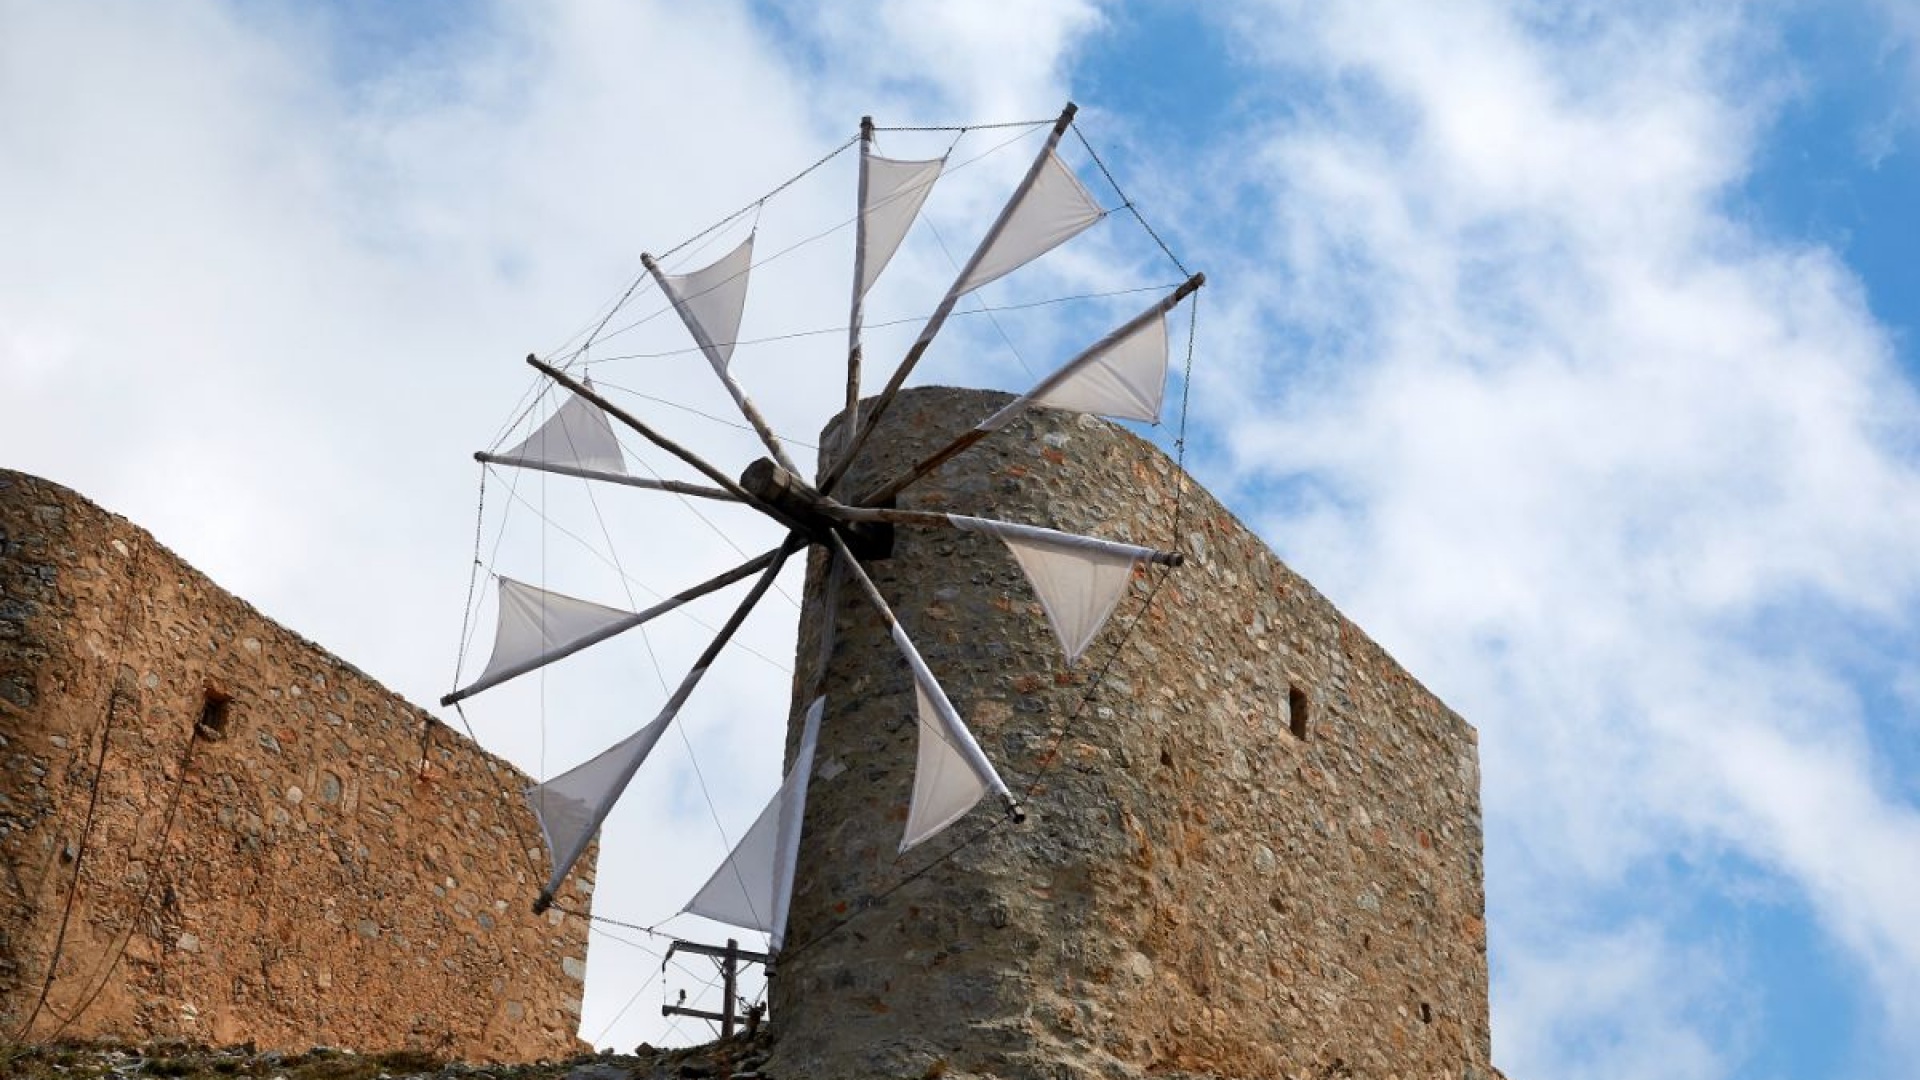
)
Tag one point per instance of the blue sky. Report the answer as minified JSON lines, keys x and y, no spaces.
{"x":1569,"y":348}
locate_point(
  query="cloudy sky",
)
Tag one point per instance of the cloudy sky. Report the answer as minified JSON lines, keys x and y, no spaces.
{"x":1568,"y":347}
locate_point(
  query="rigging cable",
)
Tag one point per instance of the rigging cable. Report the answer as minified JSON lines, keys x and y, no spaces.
{"x":93,"y":802}
{"x":982,"y":309}
{"x":1127,"y":202}
{"x":473,"y":587}
{"x":821,"y":235}
{"x":105,"y":971}
{"x":623,"y":1009}
{"x":591,"y":550}
{"x":613,"y":551}
{"x":964,"y":128}
{"x":870,"y":325}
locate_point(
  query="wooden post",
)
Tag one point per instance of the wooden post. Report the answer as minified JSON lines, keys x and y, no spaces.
{"x":729,"y":974}
{"x":730,"y":959}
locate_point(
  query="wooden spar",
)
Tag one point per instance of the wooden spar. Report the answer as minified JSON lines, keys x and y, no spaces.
{"x":674,"y":486}
{"x":967,"y":746}
{"x":637,"y":618}
{"x":793,"y":543}
{"x":851,"y":422}
{"x":931,"y":519}
{"x":939,"y":316}
{"x":740,"y":398}
{"x":885,"y":492}
{"x":726,"y":482}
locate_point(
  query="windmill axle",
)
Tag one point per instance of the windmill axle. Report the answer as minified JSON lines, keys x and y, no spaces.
{"x":800,"y":503}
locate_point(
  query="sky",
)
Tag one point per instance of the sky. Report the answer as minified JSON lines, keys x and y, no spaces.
{"x":1567,"y":347}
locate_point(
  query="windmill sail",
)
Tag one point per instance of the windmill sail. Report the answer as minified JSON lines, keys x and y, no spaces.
{"x":538,"y":627}
{"x":753,"y":887}
{"x":577,"y":435}
{"x":571,"y":806}
{"x":950,"y":772}
{"x":711,"y":301}
{"x":534,"y":624}
{"x":1054,"y":209}
{"x":894,"y":192}
{"x":1079,"y":579}
{"x":1049,"y":207}
{"x":1122,"y":375}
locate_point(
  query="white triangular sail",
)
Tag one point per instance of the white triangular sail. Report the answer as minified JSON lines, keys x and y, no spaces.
{"x":1079,"y":579}
{"x":945,"y":786}
{"x":571,"y":806}
{"x":711,"y":300}
{"x":1122,"y":375}
{"x":950,"y":772}
{"x":577,"y":434}
{"x":1054,"y":210}
{"x":753,"y":887}
{"x":1126,"y":379}
{"x":895,"y":191}
{"x":534,"y":623}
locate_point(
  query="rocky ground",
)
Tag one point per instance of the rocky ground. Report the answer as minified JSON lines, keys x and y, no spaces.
{"x":739,"y":1058}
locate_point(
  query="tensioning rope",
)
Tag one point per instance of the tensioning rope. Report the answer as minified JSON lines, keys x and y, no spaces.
{"x":914,"y":320}
{"x":789,"y":249}
{"x":964,"y":128}
{"x":1127,"y":202}
{"x":93,"y":802}
{"x":104,"y":971}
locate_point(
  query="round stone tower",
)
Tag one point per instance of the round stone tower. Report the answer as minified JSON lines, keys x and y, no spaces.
{"x":1253,"y":843}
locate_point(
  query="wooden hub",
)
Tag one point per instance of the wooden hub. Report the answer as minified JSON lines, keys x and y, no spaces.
{"x":810,"y":511}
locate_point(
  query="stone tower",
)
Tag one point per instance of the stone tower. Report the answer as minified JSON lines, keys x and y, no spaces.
{"x":1254,"y":841}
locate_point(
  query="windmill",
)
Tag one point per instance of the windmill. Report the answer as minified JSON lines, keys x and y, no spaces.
{"x":1078,"y":580}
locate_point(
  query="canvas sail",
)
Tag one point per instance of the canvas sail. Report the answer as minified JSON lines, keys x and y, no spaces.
{"x":711,"y":301}
{"x":577,"y":434}
{"x":533,"y":623}
{"x":950,"y":772}
{"x":1079,"y":579}
{"x":571,"y":806}
{"x":1055,"y":209}
{"x":754,"y":885}
{"x":1124,"y":378}
{"x":895,"y":191}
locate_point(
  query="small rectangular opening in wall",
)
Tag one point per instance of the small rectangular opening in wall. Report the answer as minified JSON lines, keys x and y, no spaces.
{"x":1297,"y":709}
{"x":215,"y":709}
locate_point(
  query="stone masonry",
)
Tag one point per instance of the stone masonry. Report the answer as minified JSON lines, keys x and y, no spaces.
{"x":214,"y":830}
{"x":1254,"y":851}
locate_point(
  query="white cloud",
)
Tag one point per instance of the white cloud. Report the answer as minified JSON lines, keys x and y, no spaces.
{"x":1632,"y":1000}
{"x":1587,"y":433}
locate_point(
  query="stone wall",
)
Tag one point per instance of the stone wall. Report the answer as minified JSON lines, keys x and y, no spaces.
{"x":256,"y":841}
{"x":1199,"y":888}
